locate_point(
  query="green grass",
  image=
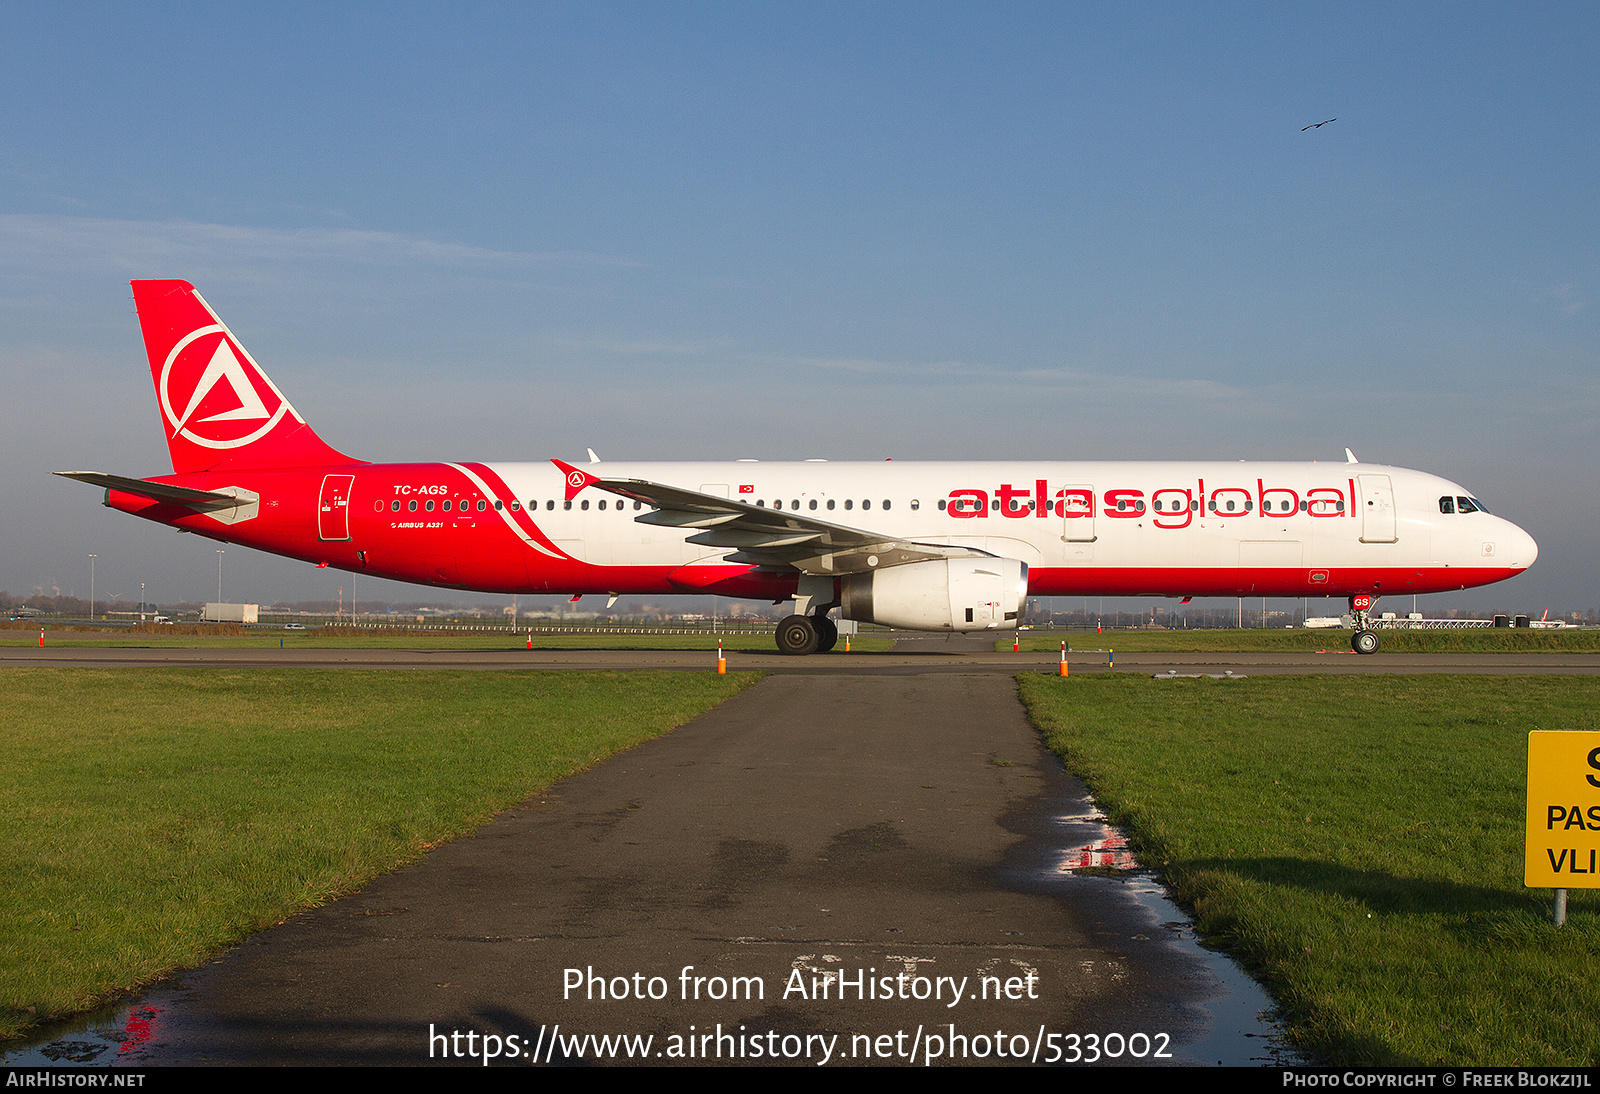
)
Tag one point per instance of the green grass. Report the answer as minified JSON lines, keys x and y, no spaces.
{"x":297,"y":640}
{"x":1357,"y":843}
{"x":150,"y":817}
{"x":1477,"y":640}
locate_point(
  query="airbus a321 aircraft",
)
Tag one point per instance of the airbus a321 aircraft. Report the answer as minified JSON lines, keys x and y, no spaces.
{"x":922,"y":546}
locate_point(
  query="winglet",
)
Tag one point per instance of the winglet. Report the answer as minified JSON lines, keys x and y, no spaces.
{"x":576,"y":479}
{"x":1350,"y":457}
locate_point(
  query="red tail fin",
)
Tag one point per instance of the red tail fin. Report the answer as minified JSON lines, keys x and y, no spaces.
{"x":219,"y":408}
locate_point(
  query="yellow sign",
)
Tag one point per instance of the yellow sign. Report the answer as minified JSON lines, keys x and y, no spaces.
{"x":1563,"y":844}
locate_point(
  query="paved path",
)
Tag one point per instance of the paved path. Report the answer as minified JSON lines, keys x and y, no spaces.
{"x":870,"y":825}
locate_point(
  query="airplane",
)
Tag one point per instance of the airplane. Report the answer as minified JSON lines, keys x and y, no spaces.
{"x":921,"y":546}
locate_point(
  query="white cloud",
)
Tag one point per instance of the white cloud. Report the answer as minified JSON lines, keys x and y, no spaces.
{"x":45,"y":243}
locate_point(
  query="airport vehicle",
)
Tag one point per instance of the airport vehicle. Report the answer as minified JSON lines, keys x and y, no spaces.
{"x":922,"y":546}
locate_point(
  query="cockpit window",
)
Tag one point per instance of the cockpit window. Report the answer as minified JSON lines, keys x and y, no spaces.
{"x":1464,"y":505}
{"x":1482,"y":508}
{"x":1447,"y":504}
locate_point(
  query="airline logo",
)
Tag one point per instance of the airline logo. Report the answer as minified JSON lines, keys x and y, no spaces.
{"x":576,"y":479}
{"x":213,"y":394}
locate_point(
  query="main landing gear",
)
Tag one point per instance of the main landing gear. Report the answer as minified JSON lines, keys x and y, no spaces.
{"x":799,"y":635}
{"x":803,"y":633}
{"x":1365,"y":639}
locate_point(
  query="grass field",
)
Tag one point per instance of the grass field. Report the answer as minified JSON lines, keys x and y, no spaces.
{"x":1477,"y":640}
{"x":150,"y":817}
{"x":300,"y":640}
{"x":1357,"y":843}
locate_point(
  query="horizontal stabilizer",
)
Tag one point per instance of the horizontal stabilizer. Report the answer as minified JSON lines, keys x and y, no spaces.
{"x":242,"y":503}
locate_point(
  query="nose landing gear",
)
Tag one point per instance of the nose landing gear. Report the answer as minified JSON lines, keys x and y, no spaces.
{"x":1365,"y":639}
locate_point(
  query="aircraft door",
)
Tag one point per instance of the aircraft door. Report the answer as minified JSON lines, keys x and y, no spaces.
{"x":1377,"y":508}
{"x":333,"y":508}
{"x":1075,"y":505}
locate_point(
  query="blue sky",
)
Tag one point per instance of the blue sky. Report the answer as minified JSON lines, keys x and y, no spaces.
{"x":853,"y":231}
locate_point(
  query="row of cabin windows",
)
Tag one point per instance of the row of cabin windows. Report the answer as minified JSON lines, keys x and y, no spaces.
{"x":849,"y":503}
{"x":1446,"y":505}
{"x":1450,"y":505}
{"x":465,"y":505}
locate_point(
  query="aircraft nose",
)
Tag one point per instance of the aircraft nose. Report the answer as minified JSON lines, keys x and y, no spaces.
{"x":1523,"y":547}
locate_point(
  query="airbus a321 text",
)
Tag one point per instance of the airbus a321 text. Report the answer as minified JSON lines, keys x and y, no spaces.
{"x":922,"y":546}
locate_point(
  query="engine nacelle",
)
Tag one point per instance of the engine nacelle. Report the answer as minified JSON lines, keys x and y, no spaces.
{"x":963,"y":594}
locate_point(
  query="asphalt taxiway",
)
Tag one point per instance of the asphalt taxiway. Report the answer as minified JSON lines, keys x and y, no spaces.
{"x":911,"y":656}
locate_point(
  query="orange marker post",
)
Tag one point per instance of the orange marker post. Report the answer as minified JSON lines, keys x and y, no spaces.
{"x":722,"y":662}
{"x":41,"y":637}
{"x":530,"y":638}
{"x":847,"y":643}
{"x":1016,"y":644}
{"x":1063,"y":657}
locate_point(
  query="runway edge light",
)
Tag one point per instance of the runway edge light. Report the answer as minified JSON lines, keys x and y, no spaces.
{"x":1562,"y":846}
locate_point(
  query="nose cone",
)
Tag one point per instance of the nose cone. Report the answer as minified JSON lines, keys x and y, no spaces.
{"x":1523,"y":548}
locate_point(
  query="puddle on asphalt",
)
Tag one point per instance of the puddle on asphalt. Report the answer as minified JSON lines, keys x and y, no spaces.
{"x":109,"y":1037}
{"x":1243,"y":1032}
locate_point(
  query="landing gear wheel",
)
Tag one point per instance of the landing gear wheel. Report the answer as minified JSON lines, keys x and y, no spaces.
{"x":827,"y":633}
{"x":797,"y":636}
{"x":1364,"y":642}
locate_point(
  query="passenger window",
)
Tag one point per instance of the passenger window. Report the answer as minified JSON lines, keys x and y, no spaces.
{"x":849,"y":503}
{"x":866,"y":503}
{"x":830,"y":503}
{"x":498,"y":505}
{"x":602,"y":504}
{"x":941,"y":504}
{"x":516,"y":506}
{"x":886,"y":503}
{"x":428,"y":505}
{"x":412,"y":506}
{"x":377,"y":506}
{"x":1249,"y":506}
{"x":1138,"y":507}
{"x":482,"y":505}
{"x":394,"y":506}
{"x":915,"y":505}
{"x":1340,"y":506}
{"x":550,"y":504}
{"x":584,"y":504}
{"x":812,"y":504}
{"x":1230,"y":505}
{"x":567,"y":504}
{"x":445,"y":505}
{"x":1194,"y":507}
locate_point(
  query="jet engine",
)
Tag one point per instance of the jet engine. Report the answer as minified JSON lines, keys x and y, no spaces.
{"x":963,"y":594}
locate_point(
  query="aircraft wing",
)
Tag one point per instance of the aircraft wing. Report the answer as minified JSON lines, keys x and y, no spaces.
{"x":778,"y":539}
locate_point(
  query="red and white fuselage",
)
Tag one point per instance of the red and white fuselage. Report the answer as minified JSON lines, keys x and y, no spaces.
{"x":250,"y":471}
